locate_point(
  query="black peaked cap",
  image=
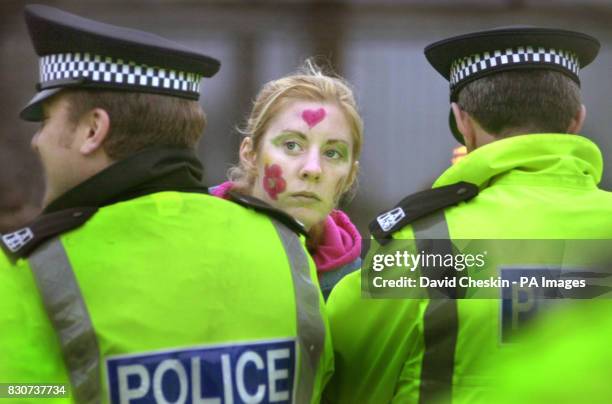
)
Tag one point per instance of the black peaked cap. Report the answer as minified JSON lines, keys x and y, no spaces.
{"x":581,"y":49}
{"x":442,"y":54}
{"x":55,"y":31}
{"x":78,"y":52}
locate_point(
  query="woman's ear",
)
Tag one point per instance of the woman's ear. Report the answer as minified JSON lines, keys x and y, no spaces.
{"x":248,"y":157}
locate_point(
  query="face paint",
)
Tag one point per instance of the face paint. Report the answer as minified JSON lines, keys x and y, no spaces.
{"x":313,"y":116}
{"x":339,"y":189}
{"x":301,"y":132}
{"x":337,"y":151}
{"x":273,"y":181}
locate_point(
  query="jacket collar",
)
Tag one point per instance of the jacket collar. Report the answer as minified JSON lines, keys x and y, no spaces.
{"x":561,"y":154}
{"x":151,"y":170}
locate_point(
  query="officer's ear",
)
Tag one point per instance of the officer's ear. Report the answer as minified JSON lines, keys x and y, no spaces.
{"x":465,"y":125}
{"x":248,"y":156}
{"x":93,"y":129}
{"x":577,"y":121}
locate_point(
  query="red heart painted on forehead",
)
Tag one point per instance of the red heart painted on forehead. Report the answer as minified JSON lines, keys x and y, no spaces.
{"x":313,"y":116}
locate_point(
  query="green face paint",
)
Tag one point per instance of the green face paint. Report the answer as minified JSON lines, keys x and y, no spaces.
{"x":337,"y":150}
{"x":304,"y":161}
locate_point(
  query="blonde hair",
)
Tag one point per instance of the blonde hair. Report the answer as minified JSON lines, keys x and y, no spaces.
{"x":309,"y":83}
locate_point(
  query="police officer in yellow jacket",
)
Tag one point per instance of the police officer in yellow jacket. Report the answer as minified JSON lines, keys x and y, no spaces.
{"x":135,"y":285}
{"x":528,"y":175}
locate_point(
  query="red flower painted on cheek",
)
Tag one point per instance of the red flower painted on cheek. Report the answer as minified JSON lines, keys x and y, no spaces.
{"x":273,"y":181}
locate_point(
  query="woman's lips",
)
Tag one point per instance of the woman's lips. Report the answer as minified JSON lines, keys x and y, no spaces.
{"x":306,"y":195}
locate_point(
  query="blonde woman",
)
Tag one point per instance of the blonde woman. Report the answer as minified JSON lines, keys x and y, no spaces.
{"x":299,"y":154}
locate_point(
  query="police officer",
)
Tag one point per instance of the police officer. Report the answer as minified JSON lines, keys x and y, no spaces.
{"x":516,"y":106}
{"x":135,"y":285}
{"x":566,"y":358}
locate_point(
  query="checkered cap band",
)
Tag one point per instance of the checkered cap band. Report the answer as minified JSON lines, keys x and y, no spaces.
{"x":107,"y":70}
{"x":462,"y":69}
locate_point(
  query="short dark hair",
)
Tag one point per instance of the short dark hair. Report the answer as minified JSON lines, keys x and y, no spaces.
{"x":522,"y":101}
{"x":140,"y":120}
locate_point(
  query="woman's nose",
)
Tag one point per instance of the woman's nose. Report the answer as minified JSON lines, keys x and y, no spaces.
{"x":312,"y":167}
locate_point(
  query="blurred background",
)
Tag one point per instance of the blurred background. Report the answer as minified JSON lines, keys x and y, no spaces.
{"x":376,"y":44}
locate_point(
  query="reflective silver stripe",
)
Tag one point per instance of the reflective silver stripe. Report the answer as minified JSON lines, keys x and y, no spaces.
{"x":440,"y":321}
{"x":66,"y":309}
{"x":431,"y":227}
{"x":310,"y":326}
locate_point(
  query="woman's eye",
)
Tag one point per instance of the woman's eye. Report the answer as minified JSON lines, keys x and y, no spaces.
{"x":333,"y":154}
{"x":292,"y":146}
